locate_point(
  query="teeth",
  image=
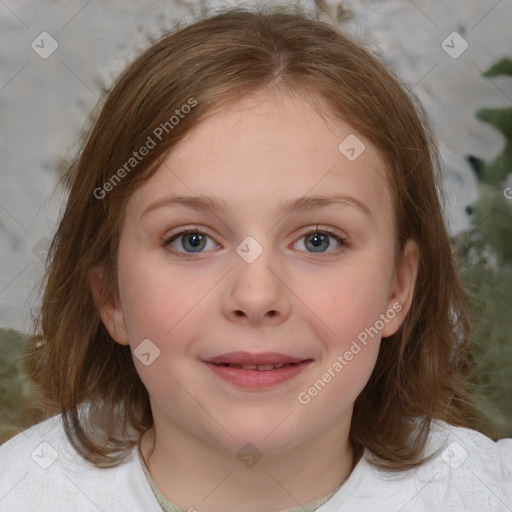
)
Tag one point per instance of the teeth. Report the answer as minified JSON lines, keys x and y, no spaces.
{"x":259,"y":367}
{"x":265,"y":367}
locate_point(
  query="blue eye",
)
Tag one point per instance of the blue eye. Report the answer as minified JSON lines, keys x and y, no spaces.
{"x":194,"y":241}
{"x":191,"y":241}
{"x":318,"y":241}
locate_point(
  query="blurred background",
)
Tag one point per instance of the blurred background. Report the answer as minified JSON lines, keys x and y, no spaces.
{"x":456,"y":57}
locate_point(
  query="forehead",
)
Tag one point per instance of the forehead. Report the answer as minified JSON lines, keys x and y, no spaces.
{"x":264,"y":148}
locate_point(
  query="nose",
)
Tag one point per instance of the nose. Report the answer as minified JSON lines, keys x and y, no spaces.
{"x":257,"y":294}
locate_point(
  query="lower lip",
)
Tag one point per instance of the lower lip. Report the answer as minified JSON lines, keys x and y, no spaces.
{"x":256,"y":378}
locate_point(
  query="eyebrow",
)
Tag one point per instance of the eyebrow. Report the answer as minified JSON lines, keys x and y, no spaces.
{"x":216,"y":204}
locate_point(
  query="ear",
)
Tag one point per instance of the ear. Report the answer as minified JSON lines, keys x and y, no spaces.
{"x":402,"y":289}
{"x":108,"y":306}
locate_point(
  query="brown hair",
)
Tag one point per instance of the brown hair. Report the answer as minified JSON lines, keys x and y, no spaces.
{"x":421,"y":370}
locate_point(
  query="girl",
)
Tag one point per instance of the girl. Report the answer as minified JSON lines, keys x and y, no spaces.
{"x":251,"y":302}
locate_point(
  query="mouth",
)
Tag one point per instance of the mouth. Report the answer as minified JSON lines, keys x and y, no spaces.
{"x":257,"y":370}
{"x":260,"y":367}
{"x":250,"y":361}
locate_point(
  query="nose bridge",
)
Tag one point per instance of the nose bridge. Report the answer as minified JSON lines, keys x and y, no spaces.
{"x":255,"y":261}
{"x":256,"y":291}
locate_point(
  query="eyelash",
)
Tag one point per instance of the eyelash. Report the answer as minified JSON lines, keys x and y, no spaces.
{"x":168,"y":240}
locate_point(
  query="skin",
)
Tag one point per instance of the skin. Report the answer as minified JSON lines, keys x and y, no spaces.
{"x":254,"y":154}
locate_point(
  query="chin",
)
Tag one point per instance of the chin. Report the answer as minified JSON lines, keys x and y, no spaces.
{"x":267,"y":437}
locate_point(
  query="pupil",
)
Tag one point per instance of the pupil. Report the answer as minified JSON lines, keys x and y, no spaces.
{"x":194,"y":240}
{"x":317,"y":240}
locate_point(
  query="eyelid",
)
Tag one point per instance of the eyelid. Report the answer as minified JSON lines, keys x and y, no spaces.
{"x":325,"y":229}
{"x":185,"y":230}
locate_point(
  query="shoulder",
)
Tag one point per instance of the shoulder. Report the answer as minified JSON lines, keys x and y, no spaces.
{"x":468,"y":472}
{"x":40,"y":443}
{"x":40,"y":471}
{"x":462,"y":444}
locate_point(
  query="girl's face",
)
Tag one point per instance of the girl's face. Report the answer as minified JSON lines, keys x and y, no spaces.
{"x":290,"y":250}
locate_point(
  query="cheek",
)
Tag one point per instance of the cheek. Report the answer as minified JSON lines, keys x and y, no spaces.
{"x":345,"y":309}
{"x":339,"y":382}
{"x":167,"y":306}
{"x":345,"y":321}
{"x":164,"y":308}
{"x":344,"y":303}
{"x":156,"y":297}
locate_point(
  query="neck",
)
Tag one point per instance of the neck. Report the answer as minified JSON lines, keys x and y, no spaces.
{"x":196,"y":474}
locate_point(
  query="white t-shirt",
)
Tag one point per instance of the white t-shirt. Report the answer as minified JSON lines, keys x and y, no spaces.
{"x":41,"y":472}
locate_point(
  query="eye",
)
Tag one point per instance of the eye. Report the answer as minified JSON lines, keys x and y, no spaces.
{"x":195,"y":241}
{"x":319,"y":240}
{"x":189,"y":241}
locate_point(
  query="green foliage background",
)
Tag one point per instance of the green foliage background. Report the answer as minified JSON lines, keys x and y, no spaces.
{"x":485,"y":261}
{"x":17,"y":410}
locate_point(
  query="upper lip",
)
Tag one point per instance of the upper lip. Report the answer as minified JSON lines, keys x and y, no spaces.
{"x":246,"y":358}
